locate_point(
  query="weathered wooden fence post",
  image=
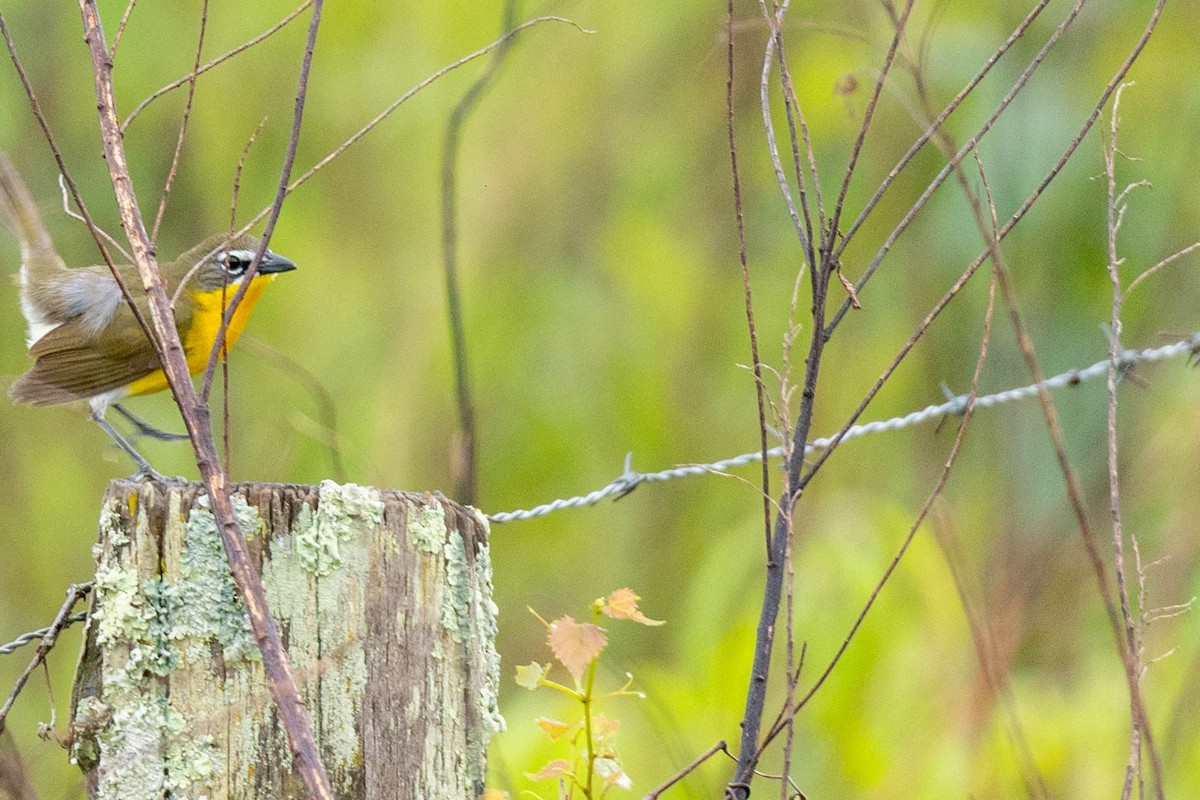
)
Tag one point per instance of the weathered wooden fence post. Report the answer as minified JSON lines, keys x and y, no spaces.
{"x":384,"y":600}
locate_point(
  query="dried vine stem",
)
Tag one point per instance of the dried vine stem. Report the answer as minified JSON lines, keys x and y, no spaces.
{"x":464,"y":467}
{"x":196,"y":415}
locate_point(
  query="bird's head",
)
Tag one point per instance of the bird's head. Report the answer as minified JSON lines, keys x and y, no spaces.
{"x":225,"y":262}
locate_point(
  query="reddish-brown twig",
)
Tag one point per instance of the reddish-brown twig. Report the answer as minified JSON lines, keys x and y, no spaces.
{"x":196,"y":416}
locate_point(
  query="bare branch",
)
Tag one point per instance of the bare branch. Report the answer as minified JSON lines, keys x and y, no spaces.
{"x":404,"y":98}
{"x":1152,"y":270}
{"x":75,"y":215}
{"x":281,"y":193}
{"x":832,"y":234}
{"x":934,"y":126}
{"x":747,"y":293}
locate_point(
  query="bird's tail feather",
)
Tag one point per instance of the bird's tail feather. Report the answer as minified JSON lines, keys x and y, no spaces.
{"x":18,"y":207}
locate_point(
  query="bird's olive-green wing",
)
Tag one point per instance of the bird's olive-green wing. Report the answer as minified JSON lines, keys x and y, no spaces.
{"x":75,"y":363}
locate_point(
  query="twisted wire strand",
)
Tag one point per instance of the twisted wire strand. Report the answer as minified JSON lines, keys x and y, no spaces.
{"x":36,"y":636}
{"x":630,"y":479}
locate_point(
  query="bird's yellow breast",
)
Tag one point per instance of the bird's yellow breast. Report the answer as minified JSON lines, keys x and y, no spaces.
{"x":198,"y":339}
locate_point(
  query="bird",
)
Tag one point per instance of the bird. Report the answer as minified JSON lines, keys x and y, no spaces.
{"x":86,"y":343}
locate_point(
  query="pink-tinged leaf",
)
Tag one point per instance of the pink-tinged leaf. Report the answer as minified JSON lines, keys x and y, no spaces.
{"x":531,"y":675}
{"x":552,"y":727}
{"x":612,"y":774}
{"x":575,"y":644}
{"x":603,"y":726}
{"x":623,"y":604}
{"x":557,"y":768}
{"x":494,"y":794}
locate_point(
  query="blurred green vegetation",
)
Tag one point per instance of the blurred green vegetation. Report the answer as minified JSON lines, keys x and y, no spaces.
{"x":604,"y":314}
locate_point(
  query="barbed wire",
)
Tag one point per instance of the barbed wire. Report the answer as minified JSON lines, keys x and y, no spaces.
{"x":630,"y":479}
{"x":36,"y":636}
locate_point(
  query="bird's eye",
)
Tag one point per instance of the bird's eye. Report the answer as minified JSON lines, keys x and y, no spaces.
{"x":234,"y":264}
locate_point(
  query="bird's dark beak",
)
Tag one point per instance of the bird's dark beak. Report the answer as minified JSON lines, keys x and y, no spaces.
{"x":273,"y":263}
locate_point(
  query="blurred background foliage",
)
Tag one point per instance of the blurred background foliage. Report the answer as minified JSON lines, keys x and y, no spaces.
{"x":604,"y":314}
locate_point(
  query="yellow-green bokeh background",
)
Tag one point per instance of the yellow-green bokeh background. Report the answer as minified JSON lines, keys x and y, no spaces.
{"x":604,"y":314}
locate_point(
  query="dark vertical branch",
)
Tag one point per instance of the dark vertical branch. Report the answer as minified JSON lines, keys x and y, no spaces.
{"x":292,"y":714}
{"x":464,"y":468}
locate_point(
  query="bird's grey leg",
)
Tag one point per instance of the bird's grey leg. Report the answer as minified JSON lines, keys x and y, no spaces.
{"x":145,"y":428}
{"x":144,"y":468}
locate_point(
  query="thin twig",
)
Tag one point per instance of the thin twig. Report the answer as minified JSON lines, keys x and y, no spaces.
{"x":112,"y":51}
{"x":221,"y":59}
{"x":233,"y":204}
{"x":75,"y":592}
{"x":404,"y":98}
{"x":1021,"y":82}
{"x":656,"y":793}
{"x":75,"y":215}
{"x":934,"y":126}
{"x":801,"y":222}
{"x":988,"y":226}
{"x":327,"y":411}
{"x":281,"y":193}
{"x":747,"y":293}
{"x":183,"y":126}
{"x":869,"y":114}
{"x":1152,"y":270}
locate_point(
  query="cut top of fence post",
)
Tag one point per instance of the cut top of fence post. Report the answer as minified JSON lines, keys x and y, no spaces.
{"x":384,"y":600}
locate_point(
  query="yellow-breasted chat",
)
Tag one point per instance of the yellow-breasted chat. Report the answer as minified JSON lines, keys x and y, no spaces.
{"x":85,"y":340}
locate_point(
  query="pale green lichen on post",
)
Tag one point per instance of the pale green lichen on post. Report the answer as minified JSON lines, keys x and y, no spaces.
{"x":213,"y":609}
{"x":319,"y":545}
{"x":456,"y":600}
{"x":350,"y":515}
{"x":469,"y":615}
{"x":487,"y":627}
{"x":427,"y":527}
{"x":146,"y":751}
